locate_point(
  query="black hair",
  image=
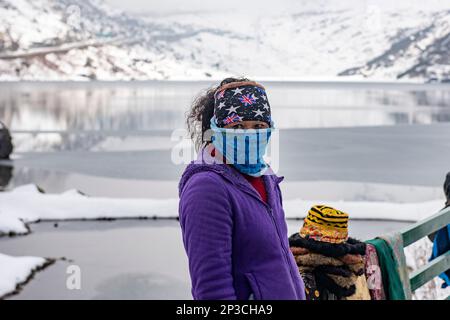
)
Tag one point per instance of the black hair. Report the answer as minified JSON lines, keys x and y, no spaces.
{"x":202,"y":110}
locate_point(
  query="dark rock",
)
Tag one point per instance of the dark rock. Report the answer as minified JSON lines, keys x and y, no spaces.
{"x":6,"y":146}
{"x":6,"y":173}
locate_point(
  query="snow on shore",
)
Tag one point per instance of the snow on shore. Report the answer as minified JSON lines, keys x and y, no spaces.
{"x":27,"y":204}
{"x":16,"y":271}
{"x":368,"y":209}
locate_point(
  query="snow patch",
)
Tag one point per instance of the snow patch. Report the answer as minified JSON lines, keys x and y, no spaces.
{"x":16,"y":213}
{"x":16,"y":271}
{"x":27,"y":204}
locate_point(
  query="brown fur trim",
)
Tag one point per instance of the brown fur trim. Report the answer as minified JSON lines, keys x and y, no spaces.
{"x":315,"y":259}
{"x":302,"y":269}
{"x":344,"y":282}
{"x":352,"y":259}
{"x":357,"y":268}
{"x":296,"y":251}
{"x":233,"y":85}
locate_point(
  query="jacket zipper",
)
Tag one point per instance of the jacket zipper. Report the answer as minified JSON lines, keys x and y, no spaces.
{"x":270,"y":212}
{"x":288,"y":265}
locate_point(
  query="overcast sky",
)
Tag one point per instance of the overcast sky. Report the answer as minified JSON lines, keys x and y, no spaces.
{"x":168,"y":6}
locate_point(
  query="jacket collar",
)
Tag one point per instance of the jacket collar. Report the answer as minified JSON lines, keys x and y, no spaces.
{"x":206,"y":162}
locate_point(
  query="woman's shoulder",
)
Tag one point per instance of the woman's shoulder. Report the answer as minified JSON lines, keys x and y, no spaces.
{"x":202,"y":192}
{"x":206,"y":178}
{"x":203,"y":179}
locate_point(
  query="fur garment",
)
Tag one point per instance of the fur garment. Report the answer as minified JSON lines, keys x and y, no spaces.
{"x":315,"y":259}
{"x":362,"y":290}
{"x":335,"y":269}
{"x":339,"y":288}
{"x":330,"y":273}
{"x":352,"y":246}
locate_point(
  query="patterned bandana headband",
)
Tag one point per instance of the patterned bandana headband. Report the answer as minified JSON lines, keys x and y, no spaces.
{"x":241,"y":101}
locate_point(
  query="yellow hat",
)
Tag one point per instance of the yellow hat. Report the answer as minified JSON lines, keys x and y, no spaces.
{"x":325,"y":224}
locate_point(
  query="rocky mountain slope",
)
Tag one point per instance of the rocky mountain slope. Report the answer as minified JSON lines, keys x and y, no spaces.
{"x":87,"y":40}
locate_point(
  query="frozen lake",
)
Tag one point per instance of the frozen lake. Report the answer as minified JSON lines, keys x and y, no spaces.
{"x":338,"y":141}
{"x":128,"y":259}
{"x":125,"y":107}
{"x":362,"y":133}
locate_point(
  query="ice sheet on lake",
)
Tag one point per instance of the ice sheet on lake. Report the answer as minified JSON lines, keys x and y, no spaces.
{"x":16,"y":271}
{"x":27,"y":204}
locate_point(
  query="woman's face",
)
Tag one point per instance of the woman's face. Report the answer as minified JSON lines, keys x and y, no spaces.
{"x":247,"y":125}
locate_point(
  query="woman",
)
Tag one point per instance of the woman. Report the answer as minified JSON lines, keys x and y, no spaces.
{"x":231,"y":213}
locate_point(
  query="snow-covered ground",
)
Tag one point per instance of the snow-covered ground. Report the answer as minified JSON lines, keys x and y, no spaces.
{"x":381,"y":40}
{"x":16,"y":213}
{"x":16,"y":271}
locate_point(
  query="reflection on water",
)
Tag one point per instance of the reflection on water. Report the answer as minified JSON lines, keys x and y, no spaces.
{"x":77,"y":109}
{"x":88,"y":106}
{"x":127,"y":126}
{"x":93,"y":141}
{"x":161,"y":105}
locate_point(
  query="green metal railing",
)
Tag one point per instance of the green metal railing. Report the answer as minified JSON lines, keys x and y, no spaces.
{"x":416,"y":232}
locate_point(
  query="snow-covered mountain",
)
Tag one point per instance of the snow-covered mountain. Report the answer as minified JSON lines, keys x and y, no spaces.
{"x":85,"y":39}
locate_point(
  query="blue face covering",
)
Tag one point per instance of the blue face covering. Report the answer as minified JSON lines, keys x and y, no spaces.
{"x":243,"y":149}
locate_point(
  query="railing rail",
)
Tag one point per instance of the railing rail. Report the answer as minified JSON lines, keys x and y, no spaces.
{"x":416,"y":232}
{"x":427,"y":272}
{"x":425,"y":227}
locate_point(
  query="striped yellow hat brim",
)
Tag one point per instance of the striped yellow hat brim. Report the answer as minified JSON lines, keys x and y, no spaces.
{"x":326,"y":224}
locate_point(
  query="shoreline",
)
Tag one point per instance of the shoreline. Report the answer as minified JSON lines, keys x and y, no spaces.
{"x":306,"y":82}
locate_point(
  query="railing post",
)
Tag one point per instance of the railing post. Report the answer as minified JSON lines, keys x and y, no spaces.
{"x":416,"y":232}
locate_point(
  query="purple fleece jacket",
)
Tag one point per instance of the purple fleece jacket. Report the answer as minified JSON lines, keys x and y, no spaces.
{"x":237,"y":245}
